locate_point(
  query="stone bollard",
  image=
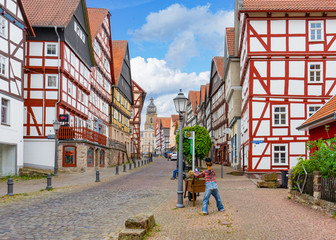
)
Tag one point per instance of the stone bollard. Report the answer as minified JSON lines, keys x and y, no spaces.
{"x":117,"y":170}
{"x":141,"y":162}
{"x":97,"y":176}
{"x":10,"y":187}
{"x":290,"y":182}
{"x":49,"y":182}
{"x":138,"y":163}
{"x":124,"y":168}
{"x":130,"y":166}
{"x":317,"y":185}
{"x":134,"y":164}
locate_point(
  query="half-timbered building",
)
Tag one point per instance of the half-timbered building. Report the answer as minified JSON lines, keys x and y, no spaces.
{"x":158,"y":135}
{"x":14,"y":27}
{"x":174,"y":127}
{"x":287,"y":71}
{"x":191,"y":114}
{"x":200,"y":106}
{"x":219,"y":110}
{"x":233,"y":98}
{"x":122,"y":96}
{"x":139,"y":96}
{"x":58,"y":82}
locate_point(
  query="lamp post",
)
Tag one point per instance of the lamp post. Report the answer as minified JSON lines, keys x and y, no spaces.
{"x":57,"y":126}
{"x":180,"y":102}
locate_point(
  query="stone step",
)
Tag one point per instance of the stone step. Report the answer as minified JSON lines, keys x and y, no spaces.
{"x":132,"y":234}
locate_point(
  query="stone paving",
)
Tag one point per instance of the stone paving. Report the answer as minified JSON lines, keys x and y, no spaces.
{"x":94,"y":211}
{"x":250,"y":213}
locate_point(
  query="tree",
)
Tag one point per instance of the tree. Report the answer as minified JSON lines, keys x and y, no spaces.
{"x":202,"y":143}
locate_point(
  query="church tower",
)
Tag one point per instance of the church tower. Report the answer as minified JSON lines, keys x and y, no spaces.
{"x":150,"y":115}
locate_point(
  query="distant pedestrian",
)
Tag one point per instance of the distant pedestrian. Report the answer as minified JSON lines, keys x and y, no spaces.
{"x":211,"y":188}
{"x":175,"y":172}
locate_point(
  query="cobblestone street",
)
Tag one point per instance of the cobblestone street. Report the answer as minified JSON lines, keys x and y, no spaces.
{"x":90,"y":213}
{"x":98,"y":211}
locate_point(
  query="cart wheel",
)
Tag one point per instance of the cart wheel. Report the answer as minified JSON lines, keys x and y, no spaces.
{"x":190,"y":196}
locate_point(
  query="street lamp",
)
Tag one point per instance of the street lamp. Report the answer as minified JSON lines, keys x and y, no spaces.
{"x":57,"y":126}
{"x":180,"y":102}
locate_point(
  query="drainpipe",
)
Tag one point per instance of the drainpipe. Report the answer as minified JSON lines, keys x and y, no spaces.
{"x":59,"y":74}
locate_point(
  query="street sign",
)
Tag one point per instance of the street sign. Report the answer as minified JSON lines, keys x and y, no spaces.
{"x":191,"y":146}
{"x":257,"y":141}
{"x":63,"y":118}
{"x":217,"y":146}
{"x":188,"y":134}
{"x":51,"y":136}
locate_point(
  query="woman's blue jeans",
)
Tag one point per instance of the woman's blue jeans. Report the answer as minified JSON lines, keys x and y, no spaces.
{"x":211,"y":188}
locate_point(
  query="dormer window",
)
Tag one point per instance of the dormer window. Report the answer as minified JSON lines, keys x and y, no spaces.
{"x":79,"y":32}
{"x":316,"y":31}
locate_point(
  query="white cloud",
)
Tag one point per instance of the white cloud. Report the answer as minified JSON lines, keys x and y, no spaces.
{"x":186,"y":30}
{"x":157,"y":78}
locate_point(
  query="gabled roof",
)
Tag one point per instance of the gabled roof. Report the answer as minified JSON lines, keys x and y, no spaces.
{"x":96,"y":17}
{"x":174,"y":118}
{"x":288,"y":5}
{"x":26,"y":19}
{"x":203,"y":94}
{"x":119,"y":48}
{"x":230,"y":40}
{"x":323,"y":116}
{"x":50,"y":12}
{"x":194,"y":96}
{"x":165,"y":122}
{"x":143,"y":93}
{"x":219,"y":61}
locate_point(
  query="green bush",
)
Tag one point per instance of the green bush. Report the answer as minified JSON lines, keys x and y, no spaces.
{"x":322,"y":158}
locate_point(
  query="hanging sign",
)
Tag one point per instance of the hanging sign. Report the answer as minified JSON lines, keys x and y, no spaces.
{"x":63,"y":117}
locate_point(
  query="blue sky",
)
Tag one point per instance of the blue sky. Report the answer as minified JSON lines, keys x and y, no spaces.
{"x":171,"y":42}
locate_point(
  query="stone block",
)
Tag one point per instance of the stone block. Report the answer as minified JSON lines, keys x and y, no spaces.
{"x":142,"y":221}
{"x":132,"y":234}
{"x":264,"y":184}
{"x":270,"y":177}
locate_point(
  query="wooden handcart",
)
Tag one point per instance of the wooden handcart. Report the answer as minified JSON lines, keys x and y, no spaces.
{"x":193,"y":186}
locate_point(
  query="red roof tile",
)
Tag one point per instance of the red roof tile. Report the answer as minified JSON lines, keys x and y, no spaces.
{"x":326,"y":110}
{"x":96,"y":17}
{"x":165,"y":121}
{"x":288,"y":5}
{"x":203,"y":93}
{"x":174,"y":118}
{"x":192,"y":96}
{"x":118,"y":50}
{"x":50,"y":12}
{"x":230,"y":40}
{"x":219,"y":61}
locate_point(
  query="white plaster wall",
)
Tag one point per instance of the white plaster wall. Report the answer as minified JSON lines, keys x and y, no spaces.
{"x":257,"y":87}
{"x":297,"y":148}
{"x":35,"y":62}
{"x":265,"y":163}
{"x":3,"y":45}
{"x":280,"y":131}
{"x":11,"y":5}
{"x":316,"y":47}
{"x":294,"y":125}
{"x":330,"y":69}
{"x":35,"y":48}
{"x":297,"y":26}
{"x":297,"y":44}
{"x":278,"y":44}
{"x":330,"y":26}
{"x":315,"y":90}
{"x":256,"y":46}
{"x":278,"y":26}
{"x":297,"y":110}
{"x":261,"y":67}
{"x":329,"y":85}
{"x":293,"y":161}
{"x":258,"y":149}
{"x":297,"y":69}
{"x":258,"y":108}
{"x":277,"y":69}
{"x":264,"y":128}
{"x":16,"y":34}
{"x":259,"y":26}
{"x":13,"y":134}
{"x":277,"y":87}
{"x":39,"y":153}
{"x":296,"y":87}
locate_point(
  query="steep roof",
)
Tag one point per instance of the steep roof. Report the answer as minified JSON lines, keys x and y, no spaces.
{"x":325,"y":113}
{"x":193,"y":96}
{"x":50,"y":12}
{"x":203,"y":93}
{"x":219,"y":61}
{"x":96,"y":17}
{"x":26,"y":19}
{"x":174,"y":118}
{"x":288,"y":5}
{"x":230,"y":40}
{"x":118,"y":50}
{"x":165,"y":121}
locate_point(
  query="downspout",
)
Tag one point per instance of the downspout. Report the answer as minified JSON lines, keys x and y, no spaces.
{"x":59,"y":74}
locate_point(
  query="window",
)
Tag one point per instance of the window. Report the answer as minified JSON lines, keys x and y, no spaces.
{"x":280,"y":115}
{"x":51,"y":49}
{"x":3,"y":27}
{"x":96,"y":47}
{"x":79,"y":32}
{"x":131,"y":130}
{"x":4,"y":111}
{"x":315,"y":73}
{"x":51,"y":81}
{"x":69,"y":156}
{"x":106,"y":64}
{"x":69,"y":87}
{"x":279,"y":154}
{"x":316,"y":31}
{"x":312,"y":110}
{"x":115,"y":114}
{"x":3,"y":65}
{"x":90,"y":157}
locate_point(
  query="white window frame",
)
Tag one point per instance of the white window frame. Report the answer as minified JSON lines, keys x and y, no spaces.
{"x":115,"y":114}
{"x":279,"y":152}
{"x":47,"y":81}
{"x":3,"y":66}
{"x":314,"y":71}
{"x":46,"y":49}
{"x":309,"y":112}
{"x":279,"y":113}
{"x":7,"y":107}
{"x":316,"y":29}
{"x":3,"y":27}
